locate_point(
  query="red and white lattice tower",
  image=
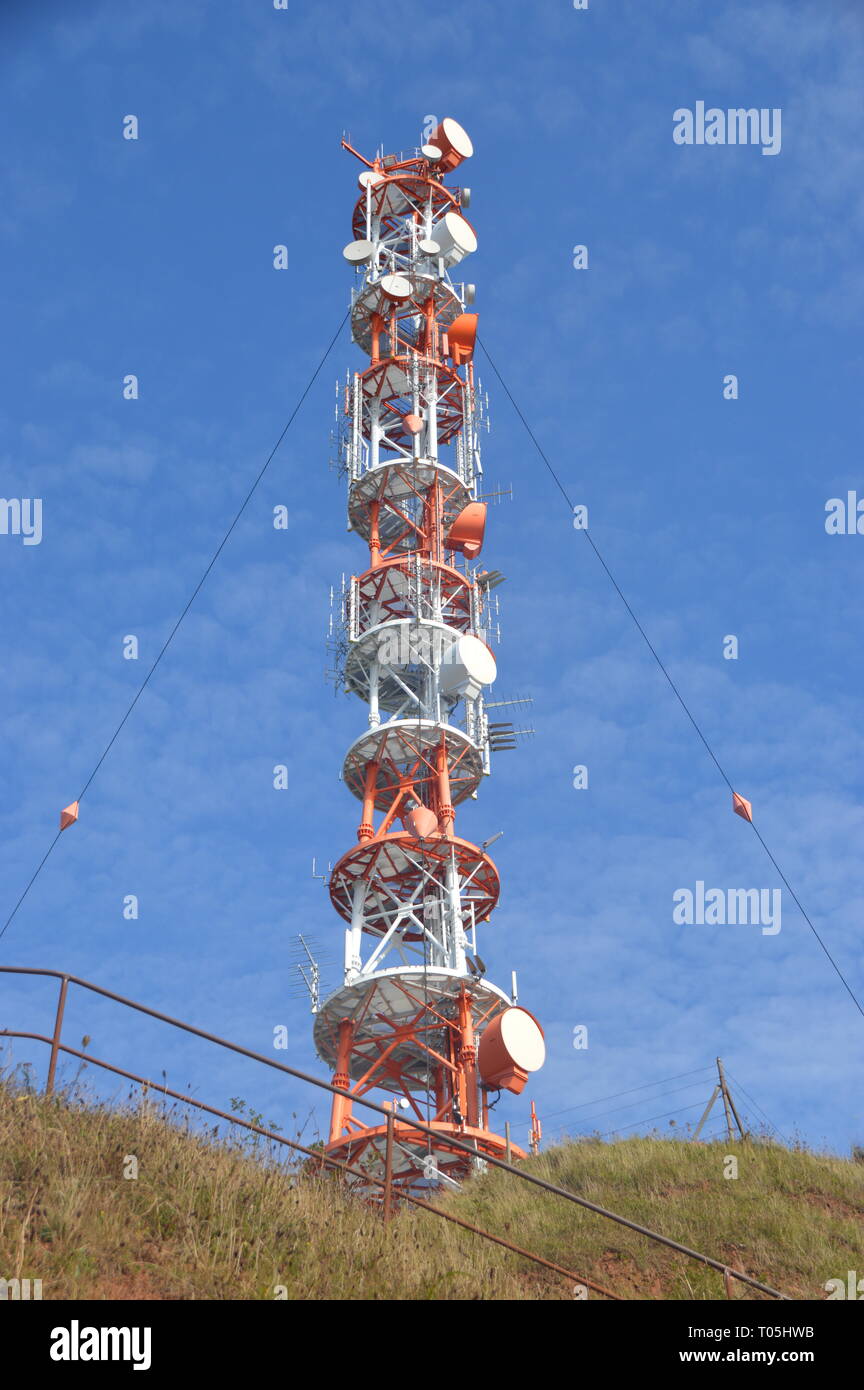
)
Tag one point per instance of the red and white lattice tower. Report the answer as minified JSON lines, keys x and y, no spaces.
{"x":416,"y":1016}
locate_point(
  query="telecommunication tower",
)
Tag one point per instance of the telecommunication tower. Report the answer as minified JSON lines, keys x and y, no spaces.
{"x":416,"y":1015}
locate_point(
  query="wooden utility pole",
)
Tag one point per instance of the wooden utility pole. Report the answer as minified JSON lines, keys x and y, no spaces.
{"x":722,"y":1090}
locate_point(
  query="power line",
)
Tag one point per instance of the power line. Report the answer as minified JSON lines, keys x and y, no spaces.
{"x":32,"y":880}
{"x":798,"y":904}
{"x":195,"y":592}
{"x":673,"y":686}
{"x":646,"y":1086}
{"x":676,"y":1090}
{"x":650,"y":1118}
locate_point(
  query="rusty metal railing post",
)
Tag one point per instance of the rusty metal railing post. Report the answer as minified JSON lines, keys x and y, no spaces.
{"x":55,"y":1041}
{"x":388,"y":1171}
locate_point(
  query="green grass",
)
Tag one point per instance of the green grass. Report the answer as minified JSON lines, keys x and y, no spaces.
{"x":211,"y":1219}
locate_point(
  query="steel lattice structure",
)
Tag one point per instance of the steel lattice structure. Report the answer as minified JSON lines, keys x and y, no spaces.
{"x":415,"y":1004}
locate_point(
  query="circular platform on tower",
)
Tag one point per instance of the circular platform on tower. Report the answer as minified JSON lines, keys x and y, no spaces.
{"x":394,"y":196}
{"x":406,"y":752}
{"x":409,"y":1004}
{"x":372,"y":298}
{"x":405,"y":650}
{"x":400,"y":485}
{"x":413,"y":586}
{"x":421,"y":1162}
{"x":397,"y":867}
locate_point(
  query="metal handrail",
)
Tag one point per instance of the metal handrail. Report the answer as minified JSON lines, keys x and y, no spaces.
{"x":522,"y":1174}
{"x":325,"y":1160}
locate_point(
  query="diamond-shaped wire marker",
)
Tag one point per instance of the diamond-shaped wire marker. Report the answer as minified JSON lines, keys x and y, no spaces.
{"x":742,"y":807}
{"x":68,"y":815}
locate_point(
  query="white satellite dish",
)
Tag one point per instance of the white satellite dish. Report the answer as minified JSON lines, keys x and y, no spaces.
{"x":523,"y":1038}
{"x":430,"y":152}
{"x":429,"y":247}
{"x":511,"y":1047}
{"x":369,"y":177}
{"x":396,"y":287}
{"x":455,"y":236}
{"x":359,"y":252}
{"x":456,"y":137}
{"x":466,"y":667}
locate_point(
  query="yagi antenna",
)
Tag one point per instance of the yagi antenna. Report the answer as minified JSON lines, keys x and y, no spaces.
{"x":310,"y":973}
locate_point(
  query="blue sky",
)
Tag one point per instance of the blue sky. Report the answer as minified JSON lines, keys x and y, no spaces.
{"x":154,"y":257}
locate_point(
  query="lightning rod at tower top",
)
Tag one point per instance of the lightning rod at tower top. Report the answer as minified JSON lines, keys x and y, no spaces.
{"x":416,"y":1015}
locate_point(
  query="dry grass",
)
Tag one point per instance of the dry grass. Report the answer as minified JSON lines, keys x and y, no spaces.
{"x":211,"y":1219}
{"x":791,"y":1219}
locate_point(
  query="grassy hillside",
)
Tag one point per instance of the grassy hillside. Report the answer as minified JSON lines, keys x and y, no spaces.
{"x":207,"y":1219}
